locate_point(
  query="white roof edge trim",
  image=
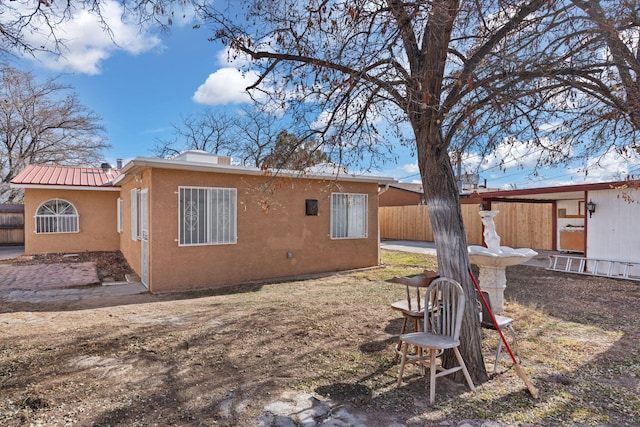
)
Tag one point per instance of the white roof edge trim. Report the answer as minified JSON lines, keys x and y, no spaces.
{"x":65,"y":187}
{"x":240,"y":170}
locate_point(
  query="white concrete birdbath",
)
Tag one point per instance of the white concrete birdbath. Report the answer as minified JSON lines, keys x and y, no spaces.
{"x":493,"y":261}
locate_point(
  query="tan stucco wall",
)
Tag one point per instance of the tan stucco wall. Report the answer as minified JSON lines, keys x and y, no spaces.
{"x":130,"y":248}
{"x":271,"y":222}
{"x":97,"y":211}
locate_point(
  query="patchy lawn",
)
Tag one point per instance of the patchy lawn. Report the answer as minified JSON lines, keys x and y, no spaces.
{"x":221,"y":357}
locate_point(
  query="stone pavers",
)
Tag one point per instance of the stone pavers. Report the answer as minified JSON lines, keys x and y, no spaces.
{"x":304,"y":409}
{"x":48,"y":276}
{"x":63,"y":282}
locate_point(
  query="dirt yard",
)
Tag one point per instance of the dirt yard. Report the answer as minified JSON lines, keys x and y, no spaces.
{"x":313,"y":352}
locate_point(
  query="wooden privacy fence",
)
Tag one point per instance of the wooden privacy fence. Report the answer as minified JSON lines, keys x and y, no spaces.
{"x":11,"y":225}
{"x":519,"y":225}
{"x":525,"y":225}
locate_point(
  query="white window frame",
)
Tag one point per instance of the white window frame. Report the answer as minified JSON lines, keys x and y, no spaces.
{"x":54,"y":218}
{"x":119,"y":213}
{"x":349,"y":216}
{"x":199,"y":226}
{"x":135,"y":214}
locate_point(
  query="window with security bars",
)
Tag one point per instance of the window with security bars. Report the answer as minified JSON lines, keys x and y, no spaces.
{"x":349,"y":216}
{"x":56,"y":216}
{"x":207,"y":216}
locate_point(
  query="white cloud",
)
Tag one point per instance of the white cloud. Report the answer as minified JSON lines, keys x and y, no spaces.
{"x":228,"y":84}
{"x":548,"y":127}
{"x":518,"y":169}
{"x":519,"y":173}
{"x":225,"y":86}
{"x":611,"y":166}
{"x":410,"y":168}
{"x":408,"y":172}
{"x":233,"y":57}
{"x":86,"y":43}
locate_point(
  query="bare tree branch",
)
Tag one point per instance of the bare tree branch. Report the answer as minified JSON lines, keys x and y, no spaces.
{"x":42,"y":123}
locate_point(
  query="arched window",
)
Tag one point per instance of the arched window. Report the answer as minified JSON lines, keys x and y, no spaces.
{"x":56,"y":216}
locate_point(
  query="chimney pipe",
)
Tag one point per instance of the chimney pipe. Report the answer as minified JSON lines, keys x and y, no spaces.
{"x":119,"y":164}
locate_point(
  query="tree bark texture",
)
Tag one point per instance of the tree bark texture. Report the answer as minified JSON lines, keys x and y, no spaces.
{"x":438,"y":180}
{"x":441,"y":194}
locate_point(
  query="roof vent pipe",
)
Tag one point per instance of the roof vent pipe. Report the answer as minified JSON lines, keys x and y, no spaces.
{"x":119,"y":163}
{"x":105,"y":167}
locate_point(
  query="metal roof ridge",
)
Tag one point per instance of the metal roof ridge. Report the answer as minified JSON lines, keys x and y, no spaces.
{"x":63,"y":175}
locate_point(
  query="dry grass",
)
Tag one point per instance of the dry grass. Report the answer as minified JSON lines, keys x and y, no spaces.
{"x":217,"y":358}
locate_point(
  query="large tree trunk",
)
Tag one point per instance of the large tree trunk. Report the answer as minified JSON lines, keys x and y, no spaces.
{"x":443,"y":201}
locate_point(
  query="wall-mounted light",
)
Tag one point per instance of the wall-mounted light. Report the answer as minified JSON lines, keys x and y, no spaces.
{"x":591,"y":207}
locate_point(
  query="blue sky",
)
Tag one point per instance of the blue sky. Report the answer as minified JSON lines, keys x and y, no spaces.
{"x":150,"y":80}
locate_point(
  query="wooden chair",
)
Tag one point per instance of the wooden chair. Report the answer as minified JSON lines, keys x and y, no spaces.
{"x":412,"y":307}
{"x":442,"y":322}
{"x":503,"y":322}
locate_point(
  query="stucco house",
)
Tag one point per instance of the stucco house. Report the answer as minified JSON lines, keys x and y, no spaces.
{"x":69,"y":209}
{"x":197,"y":221}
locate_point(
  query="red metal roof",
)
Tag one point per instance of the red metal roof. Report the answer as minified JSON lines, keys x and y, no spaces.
{"x":66,"y":176}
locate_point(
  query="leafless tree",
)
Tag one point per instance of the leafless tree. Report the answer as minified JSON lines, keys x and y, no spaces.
{"x":208,"y":131}
{"x":461,"y":75}
{"x":42,"y":123}
{"x":605,"y":53}
{"x":439,"y":76}
{"x":29,"y":27}
{"x":252,"y":136}
{"x":247,"y":134}
{"x":292,"y":153}
{"x":419,"y":64}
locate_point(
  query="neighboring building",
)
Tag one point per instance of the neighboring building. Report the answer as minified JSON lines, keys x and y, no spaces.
{"x":402,"y":194}
{"x":412,"y":194}
{"x":198,"y":222}
{"x":609,"y":232}
{"x":62,"y":203}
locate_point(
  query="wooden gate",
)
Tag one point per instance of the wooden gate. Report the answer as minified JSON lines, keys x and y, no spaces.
{"x":11,"y":225}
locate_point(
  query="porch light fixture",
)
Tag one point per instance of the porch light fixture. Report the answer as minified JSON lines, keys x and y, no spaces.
{"x":591,"y":207}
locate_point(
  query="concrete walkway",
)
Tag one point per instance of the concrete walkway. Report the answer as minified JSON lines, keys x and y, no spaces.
{"x":429,"y":248}
{"x":10,"y":252}
{"x":71,"y":294}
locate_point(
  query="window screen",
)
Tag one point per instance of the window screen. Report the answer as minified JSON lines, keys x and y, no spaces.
{"x":207,"y":216}
{"x":349,"y":216}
